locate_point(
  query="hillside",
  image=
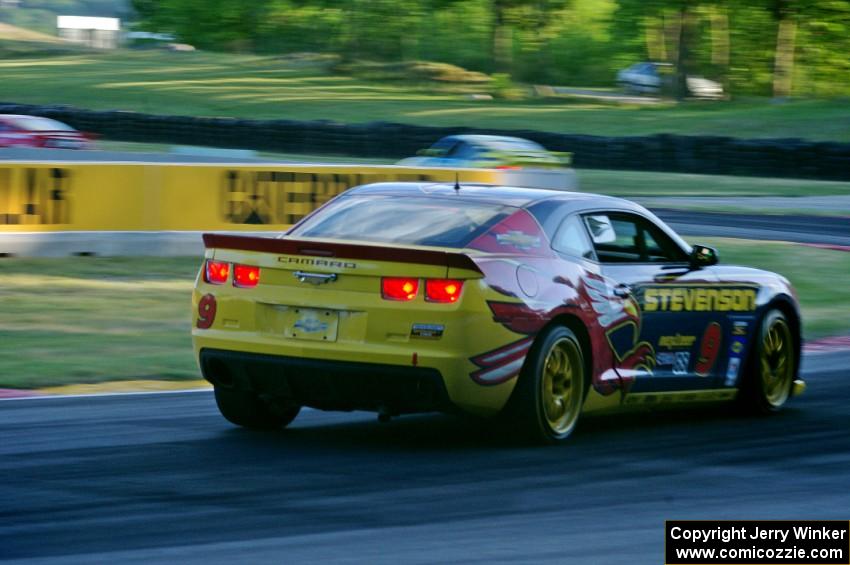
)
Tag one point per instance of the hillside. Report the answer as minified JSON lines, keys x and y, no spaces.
{"x":304,"y":88}
{"x":9,"y":32}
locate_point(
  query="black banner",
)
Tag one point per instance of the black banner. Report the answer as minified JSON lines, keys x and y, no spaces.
{"x":758,"y":542}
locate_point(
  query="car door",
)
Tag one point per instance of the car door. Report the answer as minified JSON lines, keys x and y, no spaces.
{"x":663,"y":333}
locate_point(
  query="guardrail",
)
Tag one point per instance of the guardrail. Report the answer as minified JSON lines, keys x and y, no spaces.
{"x":794,"y":158}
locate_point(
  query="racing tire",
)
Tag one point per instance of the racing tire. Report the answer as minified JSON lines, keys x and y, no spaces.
{"x":551,"y":389}
{"x":244,"y":408}
{"x":771,"y":367}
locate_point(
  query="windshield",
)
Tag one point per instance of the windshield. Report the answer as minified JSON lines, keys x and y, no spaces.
{"x":39,"y":124}
{"x":412,"y":221}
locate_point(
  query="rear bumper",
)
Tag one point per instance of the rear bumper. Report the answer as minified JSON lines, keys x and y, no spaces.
{"x":329,"y":385}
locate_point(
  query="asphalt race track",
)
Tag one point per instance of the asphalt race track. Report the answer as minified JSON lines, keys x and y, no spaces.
{"x":786,"y":227}
{"x":162,"y":477}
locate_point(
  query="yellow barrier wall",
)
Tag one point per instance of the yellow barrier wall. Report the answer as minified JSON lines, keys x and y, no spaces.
{"x":47,"y":197}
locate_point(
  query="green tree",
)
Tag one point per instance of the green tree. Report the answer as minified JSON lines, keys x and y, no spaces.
{"x":511,"y":15}
{"x":779,"y":47}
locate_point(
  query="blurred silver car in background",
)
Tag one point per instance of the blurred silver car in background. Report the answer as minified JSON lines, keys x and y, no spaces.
{"x":656,"y":78}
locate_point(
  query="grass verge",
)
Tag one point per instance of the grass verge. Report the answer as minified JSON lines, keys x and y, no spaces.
{"x":250,"y":86}
{"x":95,"y":319}
{"x":159,"y":148}
{"x":91,"y":319}
{"x":813,"y":272}
{"x":651,"y":183}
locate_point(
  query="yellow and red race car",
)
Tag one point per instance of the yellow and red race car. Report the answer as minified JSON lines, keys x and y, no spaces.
{"x":533,"y":305}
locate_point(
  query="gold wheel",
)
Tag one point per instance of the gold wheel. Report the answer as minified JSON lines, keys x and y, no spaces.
{"x":776,"y":362}
{"x":562,"y":385}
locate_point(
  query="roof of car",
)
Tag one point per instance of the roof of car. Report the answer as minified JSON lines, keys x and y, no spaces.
{"x":23,"y":116}
{"x":18,"y":118}
{"x":490,"y":139}
{"x":496,"y":194}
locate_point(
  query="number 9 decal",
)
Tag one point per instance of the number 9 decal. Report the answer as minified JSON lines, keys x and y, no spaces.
{"x":709,"y":349}
{"x":206,"y":311}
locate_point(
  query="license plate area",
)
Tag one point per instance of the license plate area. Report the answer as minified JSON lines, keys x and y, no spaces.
{"x":313,"y":324}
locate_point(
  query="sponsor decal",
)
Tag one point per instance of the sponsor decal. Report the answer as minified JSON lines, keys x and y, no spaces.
{"x":676,"y":341}
{"x":695,"y":299}
{"x":517,"y":233}
{"x":427,"y":331}
{"x":678,"y":361}
{"x":665,"y":359}
{"x":736,"y":350}
{"x":518,"y":239}
{"x":709,"y":349}
{"x":732,"y":371}
{"x":683,"y":359}
{"x":206,"y":312}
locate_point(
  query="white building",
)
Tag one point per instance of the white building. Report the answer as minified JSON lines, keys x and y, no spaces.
{"x":94,"y":32}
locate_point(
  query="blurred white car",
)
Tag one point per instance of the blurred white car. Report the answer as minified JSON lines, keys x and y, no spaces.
{"x":652,"y":78}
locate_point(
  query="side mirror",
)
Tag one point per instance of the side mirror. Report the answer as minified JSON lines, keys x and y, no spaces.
{"x":703,"y":256}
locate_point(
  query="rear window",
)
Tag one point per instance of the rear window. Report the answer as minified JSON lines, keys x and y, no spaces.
{"x":404,"y":220}
{"x":39,"y":124}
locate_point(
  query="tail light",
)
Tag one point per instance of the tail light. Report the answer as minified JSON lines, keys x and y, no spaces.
{"x":246,"y":276}
{"x":217,"y":272}
{"x":442,"y":290}
{"x":395,"y":288}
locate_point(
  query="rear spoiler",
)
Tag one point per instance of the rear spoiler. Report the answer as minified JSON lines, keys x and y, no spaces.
{"x":341,"y":250}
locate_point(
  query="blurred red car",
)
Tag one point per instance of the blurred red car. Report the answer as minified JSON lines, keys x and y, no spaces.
{"x":34,"y":131}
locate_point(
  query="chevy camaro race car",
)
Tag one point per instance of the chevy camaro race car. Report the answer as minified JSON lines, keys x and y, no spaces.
{"x":522,"y":162}
{"x":532,"y":305}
